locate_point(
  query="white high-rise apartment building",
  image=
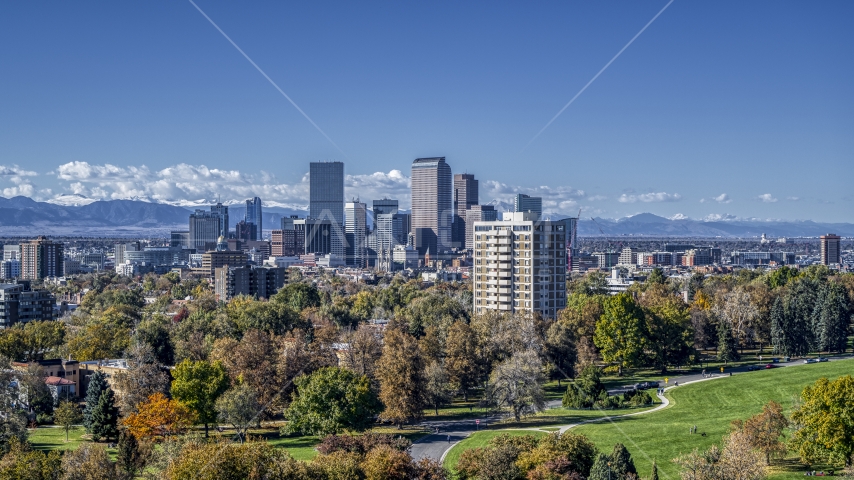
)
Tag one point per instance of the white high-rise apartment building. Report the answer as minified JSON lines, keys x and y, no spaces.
{"x":355,"y":229}
{"x":520,"y":265}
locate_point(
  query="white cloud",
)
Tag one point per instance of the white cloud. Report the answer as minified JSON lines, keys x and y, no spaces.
{"x":767,"y":198}
{"x":793,"y":199}
{"x":596,"y":198}
{"x":650,"y":197}
{"x":15,"y":171}
{"x":722,"y":198}
{"x":719,"y":217}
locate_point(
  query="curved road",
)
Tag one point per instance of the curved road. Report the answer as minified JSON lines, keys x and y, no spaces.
{"x":436,"y":446}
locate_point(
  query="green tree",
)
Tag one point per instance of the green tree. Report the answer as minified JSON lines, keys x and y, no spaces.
{"x":239,"y":407}
{"x":461,"y":357}
{"x":66,"y":415}
{"x":727,"y":343}
{"x":621,"y":332}
{"x":824,"y":422}
{"x":601,"y":469}
{"x":516,"y":384}
{"x":197,"y":385}
{"x":298,"y":296}
{"x":437,"y":386}
{"x":330,"y":400}
{"x":621,"y":463}
{"x":668,"y":323}
{"x":130,"y":458}
{"x":584,"y":391}
{"x":105,"y":417}
{"x":833,"y":318}
{"x":24,"y":463}
{"x":400,"y":371}
{"x":97,"y":384}
{"x":656,"y":277}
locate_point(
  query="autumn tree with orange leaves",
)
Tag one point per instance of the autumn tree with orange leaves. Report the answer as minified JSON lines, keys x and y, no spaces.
{"x":159,"y":416}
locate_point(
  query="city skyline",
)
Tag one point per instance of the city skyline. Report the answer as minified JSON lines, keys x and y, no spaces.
{"x":696,"y":109}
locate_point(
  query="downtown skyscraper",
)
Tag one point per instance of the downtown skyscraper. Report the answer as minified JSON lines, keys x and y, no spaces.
{"x":432,"y":207}
{"x":253,"y":215}
{"x":465,"y":197}
{"x":326,"y":200}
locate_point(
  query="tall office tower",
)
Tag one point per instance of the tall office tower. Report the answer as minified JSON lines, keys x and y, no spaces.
{"x":121,"y":248}
{"x":355,"y":227}
{"x":222,"y":212}
{"x":465,"y":196}
{"x":520,"y":265}
{"x":245,"y":231}
{"x":477,"y":213}
{"x":41,"y":258}
{"x":326,"y":199}
{"x":830,"y":249}
{"x":465,"y":193}
{"x":390,"y":230}
{"x":527,"y":203}
{"x":316,"y":235}
{"x":205,"y":229}
{"x":571,"y":242}
{"x":384,"y":206}
{"x":253,"y":216}
{"x":11,"y":252}
{"x":432,"y":206}
{"x":179,"y":238}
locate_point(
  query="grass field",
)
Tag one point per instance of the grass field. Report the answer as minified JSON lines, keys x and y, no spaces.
{"x":710,"y":405}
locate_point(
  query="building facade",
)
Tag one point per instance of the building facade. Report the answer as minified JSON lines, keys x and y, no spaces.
{"x":355,"y":229}
{"x":258,"y":282}
{"x":254,"y":215}
{"x":207,"y":227}
{"x":527,"y":203}
{"x":432,"y":206}
{"x":385,"y":206}
{"x":476,"y":213}
{"x":520,"y":265}
{"x":326,"y":199}
{"x":42,"y":258}
{"x":20,"y":304}
{"x":465,"y":197}
{"x":830,"y":253}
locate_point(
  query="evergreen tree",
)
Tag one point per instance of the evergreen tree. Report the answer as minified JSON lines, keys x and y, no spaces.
{"x":833,"y":318}
{"x":105,"y":417}
{"x":601,"y":470}
{"x":129,"y":458}
{"x":97,"y":384}
{"x":779,"y":337}
{"x":727,"y":344}
{"x":621,"y":462}
{"x":801,"y":322}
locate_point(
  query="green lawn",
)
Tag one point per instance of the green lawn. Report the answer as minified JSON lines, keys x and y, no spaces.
{"x":710,"y":405}
{"x":53,"y":438}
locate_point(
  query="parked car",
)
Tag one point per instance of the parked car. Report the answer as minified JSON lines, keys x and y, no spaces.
{"x":810,"y":360}
{"x":770,"y":365}
{"x":751,"y":368}
{"x":823,"y":359}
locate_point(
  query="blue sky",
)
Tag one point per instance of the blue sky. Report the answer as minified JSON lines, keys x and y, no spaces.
{"x":739,"y":109}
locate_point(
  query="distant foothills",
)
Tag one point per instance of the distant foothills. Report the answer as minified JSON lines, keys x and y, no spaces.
{"x":25,"y":216}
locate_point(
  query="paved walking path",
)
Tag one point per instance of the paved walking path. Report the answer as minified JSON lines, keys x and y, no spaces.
{"x":437,"y":446}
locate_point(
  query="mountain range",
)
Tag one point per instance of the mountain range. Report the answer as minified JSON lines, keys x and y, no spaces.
{"x":25,"y":216}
